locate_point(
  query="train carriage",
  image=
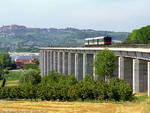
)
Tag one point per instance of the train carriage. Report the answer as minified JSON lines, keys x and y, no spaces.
{"x":97,"y":41}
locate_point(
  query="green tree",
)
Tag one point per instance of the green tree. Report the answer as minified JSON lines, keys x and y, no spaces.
{"x":5,"y":61}
{"x":139,"y":36}
{"x":105,"y":64}
{"x":5,"y":64}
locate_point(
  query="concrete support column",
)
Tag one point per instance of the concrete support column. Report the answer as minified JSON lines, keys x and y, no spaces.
{"x":148,"y":78}
{"x":54,"y":60}
{"x":128,"y":70}
{"x":143,"y":72}
{"x":121,"y":68}
{"x":63,"y":62}
{"x":89,"y":64}
{"x":136,"y":85}
{"x":48,"y":64}
{"x":69,"y":63}
{"x":42,"y":62}
{"x":84,"y":65}
{"x":73,"y":63}
{"x":45,"y":62}
{"x":76,"y":65}
{"x":94,"y":75}
{"x":51,"y":61}
{"x":58,"y":62}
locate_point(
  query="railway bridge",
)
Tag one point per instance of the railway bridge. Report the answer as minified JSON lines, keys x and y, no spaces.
{"x":133,"y":63}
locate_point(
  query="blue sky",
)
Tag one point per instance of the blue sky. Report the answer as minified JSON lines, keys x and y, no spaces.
{"x":112,"y":15}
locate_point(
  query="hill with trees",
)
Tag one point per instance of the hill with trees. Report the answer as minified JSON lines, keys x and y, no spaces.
{"x":21,"y":38}
{"x":139,"y":36}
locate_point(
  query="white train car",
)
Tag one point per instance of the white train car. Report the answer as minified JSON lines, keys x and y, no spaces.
{"x":96,"y":41}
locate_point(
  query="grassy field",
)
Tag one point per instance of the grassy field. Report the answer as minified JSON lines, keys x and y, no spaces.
{"x":12,"y":79}
{"x":13,"y":75}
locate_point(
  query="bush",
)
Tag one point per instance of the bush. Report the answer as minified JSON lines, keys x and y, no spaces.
{"x":30,"y":77}
{"x":73,"y":92}
{"x":119,"y":90}
{"x":46,"y":92}
{"x":88,"y":89}
{"x":4,"y":93}
{"x":100,"y":90}
{"x":58,"y":79}
{"x":51,"y":79}
{"x":66,"y":88}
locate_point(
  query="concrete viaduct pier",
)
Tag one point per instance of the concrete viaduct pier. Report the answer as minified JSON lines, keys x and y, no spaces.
{"x":133,"y":64}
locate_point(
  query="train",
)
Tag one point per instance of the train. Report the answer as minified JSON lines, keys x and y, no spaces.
{"x":98,"y":41}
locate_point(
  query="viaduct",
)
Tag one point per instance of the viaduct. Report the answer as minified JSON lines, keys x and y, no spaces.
{"x":133,"y":63}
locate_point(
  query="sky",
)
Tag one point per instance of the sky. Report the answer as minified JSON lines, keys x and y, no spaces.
{"x":110,"y":15}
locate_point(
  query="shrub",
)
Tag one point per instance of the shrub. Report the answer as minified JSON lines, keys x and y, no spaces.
{"x":119,"y":90}
{"x":73,"y":92}
{"x":4,"y":92}
{"x":30,"y":92}
{"x":67,"y":80}
{"x":51,"y":79}
{"x":30,"y":77}
{"x":46,"y":92}
{"x":63,"y":93}
{"x":100,"y":90}
{"x":86,"y":90}
{"x":58,"y":79}
{"x":66,"y":88}
{"x":13,"y":92}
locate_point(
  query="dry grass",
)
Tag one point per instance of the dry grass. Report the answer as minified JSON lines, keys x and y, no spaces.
{"x":142,"y":105}
{"x":75,"y":107}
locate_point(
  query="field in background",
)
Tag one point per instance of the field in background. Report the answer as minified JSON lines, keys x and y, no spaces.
{"x":12,"y":79}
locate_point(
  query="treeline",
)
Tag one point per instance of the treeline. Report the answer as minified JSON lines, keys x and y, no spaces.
{"x":66,"y":88}
{"x":27,"y":49}
{"x":139,"y":36}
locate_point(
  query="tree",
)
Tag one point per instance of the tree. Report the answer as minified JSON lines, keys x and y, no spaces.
{"x":5,"y":64}
{"x":139,"y":36}
{"x":105,"y":64}
{"x":5,"y":61}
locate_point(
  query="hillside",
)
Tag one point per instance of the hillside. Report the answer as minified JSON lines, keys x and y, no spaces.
{"x":16,"y":36}
{"x":139,"y":36}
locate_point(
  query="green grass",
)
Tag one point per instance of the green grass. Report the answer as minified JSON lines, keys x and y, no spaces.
{"x":138,"y":99}
{"x":12,"y":79}
{"x":13,"y":75}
